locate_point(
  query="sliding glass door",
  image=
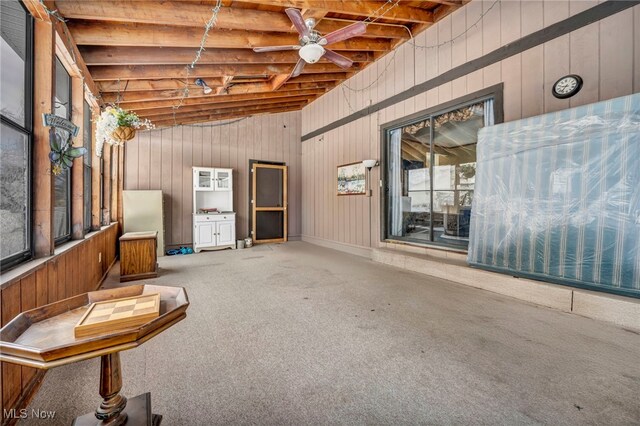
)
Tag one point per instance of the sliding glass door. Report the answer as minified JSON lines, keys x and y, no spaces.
{"x":430,"y":175}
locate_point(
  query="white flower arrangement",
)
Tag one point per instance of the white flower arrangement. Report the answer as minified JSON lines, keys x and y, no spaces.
{"x":110,"y":120}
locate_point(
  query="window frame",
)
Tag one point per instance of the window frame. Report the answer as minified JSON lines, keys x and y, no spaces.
{"x":66,"y":237}
{"x":493,"y":92}
{"x":27,"y":129}
{"x":87,"y":195}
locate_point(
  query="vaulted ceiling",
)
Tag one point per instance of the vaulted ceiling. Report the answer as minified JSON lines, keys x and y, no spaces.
{"x":139,"y":52}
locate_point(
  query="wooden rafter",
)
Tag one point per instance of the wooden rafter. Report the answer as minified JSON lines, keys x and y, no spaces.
{"x":146,"y":85}
{"x":106,"y":34}
{"x":146,"y":72}
{"x":223,"y":116}
{"x":239,"y":110}
{"x":128,"y":55}
{"x":355,"y":7}
{"x":186,"y":14}
{"x":138,"y":105}
{"x":190,"y":109}
{"x":137,"y":52}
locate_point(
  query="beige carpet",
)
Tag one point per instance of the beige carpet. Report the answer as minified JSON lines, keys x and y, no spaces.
{"x":298,"y":334}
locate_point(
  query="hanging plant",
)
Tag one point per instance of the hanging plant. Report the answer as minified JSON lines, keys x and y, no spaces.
{"x":116,"y":126}
{"x":62,"y":154}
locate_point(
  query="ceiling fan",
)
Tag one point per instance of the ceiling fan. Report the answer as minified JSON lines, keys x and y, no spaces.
{"x":312,"y":43}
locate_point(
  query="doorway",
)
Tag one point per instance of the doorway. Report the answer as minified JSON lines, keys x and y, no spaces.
{"x":268,"y":202}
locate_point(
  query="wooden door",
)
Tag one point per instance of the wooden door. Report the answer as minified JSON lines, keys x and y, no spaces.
{"x":269,"y":203}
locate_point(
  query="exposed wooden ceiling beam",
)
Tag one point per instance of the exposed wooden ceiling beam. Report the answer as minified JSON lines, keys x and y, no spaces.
{"x":217,"y":111}
{"x":315,"y":14}
{"x":173,"y":89}
{"x":305,"y":78}
{"x":225,"y":116}
{"x":37,"y":9}
{"x":65,"y":42}
{"x":278,"y":80}
{"x":149,"y":72}
{"x":153,"y":112}
{"x":444,"y":10}
{"x":129,"y":55}
{"x":194,"y":15}
{"x":195,"y":92}
{"x":107,"y":34}
{"x":269,"y":86}
{"x":355,"y":7}
{"x":307,"y":86}
{"x":138,"y":105}
{"x":146,"y":85}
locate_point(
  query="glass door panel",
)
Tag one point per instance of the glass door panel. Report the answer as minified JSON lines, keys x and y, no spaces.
{"x":223,"y":180}
{"x":203,"y":180}
{"x":431,"y":176}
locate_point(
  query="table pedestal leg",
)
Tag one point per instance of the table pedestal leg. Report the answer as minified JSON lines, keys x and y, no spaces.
{"x":115,"y":410}
{"x":110,"y":410}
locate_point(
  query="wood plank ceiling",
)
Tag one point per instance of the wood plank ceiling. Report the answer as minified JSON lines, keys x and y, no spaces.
{"x":137,"y":51}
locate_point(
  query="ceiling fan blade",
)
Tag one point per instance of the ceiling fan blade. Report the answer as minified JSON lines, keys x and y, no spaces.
{"x":349,"y":31}
{"x":275,"y":48}
{"x":298,"y":21}
{"x":298,"y":68}
{"x":338,"y":59}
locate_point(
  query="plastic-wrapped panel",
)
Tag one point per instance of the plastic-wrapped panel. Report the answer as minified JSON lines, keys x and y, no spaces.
{"x":557,"y":197}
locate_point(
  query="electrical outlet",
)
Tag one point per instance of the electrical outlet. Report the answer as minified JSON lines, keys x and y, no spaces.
{"x":100,"y":257}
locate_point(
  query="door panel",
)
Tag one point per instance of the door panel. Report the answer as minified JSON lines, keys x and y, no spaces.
{"x":270,"y":191}
{"x":225,"y":232}
{"x":203,"y":179}
{"x":223,"y":179}
{"x":269,"y":225}
{"x":205,"y":233}
{"x":269,"y":203}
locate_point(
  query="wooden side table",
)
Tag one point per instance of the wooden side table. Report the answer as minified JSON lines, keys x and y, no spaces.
{"x":138,"y":257}
{"x":44,"y":338}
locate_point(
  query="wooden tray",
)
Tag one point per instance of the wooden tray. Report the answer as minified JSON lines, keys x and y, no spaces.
{"x":111,"y":315}
{"x":44,"y":337}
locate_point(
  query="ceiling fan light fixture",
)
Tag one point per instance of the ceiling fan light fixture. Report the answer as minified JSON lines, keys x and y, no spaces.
{"x":311,"y":53}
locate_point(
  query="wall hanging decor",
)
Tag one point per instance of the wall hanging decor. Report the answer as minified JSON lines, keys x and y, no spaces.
{"x":115,"y":126}
{"x":62,"y":153}
{"x":351,"y":179}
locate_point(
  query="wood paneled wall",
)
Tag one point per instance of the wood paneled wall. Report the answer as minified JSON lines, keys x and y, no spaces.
{"x":604,"y":53}
{"x":74,"y":271}
{"x":162,"y":159}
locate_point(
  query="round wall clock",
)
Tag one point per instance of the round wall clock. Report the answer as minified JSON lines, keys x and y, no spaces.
{"x":567,"y":86}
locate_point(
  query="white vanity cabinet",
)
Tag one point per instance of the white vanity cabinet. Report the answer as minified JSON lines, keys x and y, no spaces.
{"x":213,"y":189}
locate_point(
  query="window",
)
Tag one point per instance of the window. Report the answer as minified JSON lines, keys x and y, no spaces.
{"x":62,"y":182}
{"x":87,"y":166}
{"x":430,"y":175}
{"x":15,"y":133}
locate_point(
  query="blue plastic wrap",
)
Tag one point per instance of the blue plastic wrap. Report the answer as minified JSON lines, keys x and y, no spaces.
{"x":557,"y":197}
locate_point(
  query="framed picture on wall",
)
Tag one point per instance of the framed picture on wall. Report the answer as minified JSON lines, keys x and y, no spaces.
{"x":351,"y":179}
